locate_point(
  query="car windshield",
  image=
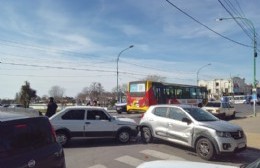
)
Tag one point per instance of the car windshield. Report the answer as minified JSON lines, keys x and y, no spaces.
{"x":213,"y":104}
{"x":200,"y":115}
{"x":218,"y":104}
{"x":226,"y":105}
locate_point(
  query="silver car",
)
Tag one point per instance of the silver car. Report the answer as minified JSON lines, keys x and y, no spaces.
{"x":192,"y":126}
{"x":91,"y":122}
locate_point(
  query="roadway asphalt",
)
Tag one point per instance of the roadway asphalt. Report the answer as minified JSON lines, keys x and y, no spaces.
{"x":251,"y":127}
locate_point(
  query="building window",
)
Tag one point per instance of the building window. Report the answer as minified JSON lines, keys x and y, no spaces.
{"x":217,"y":84}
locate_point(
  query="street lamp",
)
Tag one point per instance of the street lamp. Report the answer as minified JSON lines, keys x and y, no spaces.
{"x":255,"y":51}
{"x":199,"y":72}
{"x":131,"y":46}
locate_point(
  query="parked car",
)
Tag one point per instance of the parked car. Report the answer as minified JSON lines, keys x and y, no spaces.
{"x":28,"y":142}
{"x":257,"y":101}
{"x":221,"y":110}
{"x":16,"y":106}
{"x":120,"y":107}
{"x":193,"y":127}
{"x":91,"y":121}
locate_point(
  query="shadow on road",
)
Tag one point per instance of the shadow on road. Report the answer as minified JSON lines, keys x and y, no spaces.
{"x":245,"y":157}
{"x":90,"y":143}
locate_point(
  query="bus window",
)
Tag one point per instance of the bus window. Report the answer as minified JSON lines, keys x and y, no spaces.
{"x":193,"y":93}
{"x":199,"y":93}
{"x":178,"y":92}
{"x":186,"y":93}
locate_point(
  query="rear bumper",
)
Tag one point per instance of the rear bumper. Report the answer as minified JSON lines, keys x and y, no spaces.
{"x":137,"y":109}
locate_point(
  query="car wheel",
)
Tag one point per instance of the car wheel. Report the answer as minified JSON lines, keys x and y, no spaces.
{"x":233,"y":115}
{"x":205,"y":149}
{"x":62,"y":138}
{"x":146,"y":135}
{"x":124,"y":136}
{"x":119,"y":111}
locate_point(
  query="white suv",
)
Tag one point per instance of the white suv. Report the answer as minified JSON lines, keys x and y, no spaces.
{"x":192,"y":126}
{"x":220,"y":109}
{"x":88,"y":121}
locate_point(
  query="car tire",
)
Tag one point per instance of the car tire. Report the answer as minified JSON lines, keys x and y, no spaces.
{"x":205,"y":149}
{"x":123,"y":136}
{"x":62,"y":138}
{"x":146,"y":135}
{"x":233,"y":116}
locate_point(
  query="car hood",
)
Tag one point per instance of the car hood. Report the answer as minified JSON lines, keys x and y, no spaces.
{"x":124,"y":120}
{"x":182,"y":164}
{"x":220,"y":125}
{"x":121,"y":104}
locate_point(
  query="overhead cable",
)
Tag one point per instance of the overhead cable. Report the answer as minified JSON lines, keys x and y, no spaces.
{"x":196,"y":20}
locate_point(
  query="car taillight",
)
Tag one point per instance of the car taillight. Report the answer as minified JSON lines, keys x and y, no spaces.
{"x":21,"y":126}
{"x":53,"y":133}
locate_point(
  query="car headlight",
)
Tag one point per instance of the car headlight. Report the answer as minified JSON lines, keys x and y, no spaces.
{"x":223,"y":134}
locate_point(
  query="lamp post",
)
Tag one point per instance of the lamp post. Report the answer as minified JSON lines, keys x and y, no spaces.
{"x":254,"y":53}
{"x":117,"y":60}
{"x":199,"y":72}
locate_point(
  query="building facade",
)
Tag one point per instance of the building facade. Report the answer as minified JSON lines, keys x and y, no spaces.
{"x":220,"y":87}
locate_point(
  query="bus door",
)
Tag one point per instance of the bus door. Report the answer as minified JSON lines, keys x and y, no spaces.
{"x":160,"y":95}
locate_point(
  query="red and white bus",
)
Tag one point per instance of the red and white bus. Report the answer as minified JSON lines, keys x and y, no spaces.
{"x":142,"y":94}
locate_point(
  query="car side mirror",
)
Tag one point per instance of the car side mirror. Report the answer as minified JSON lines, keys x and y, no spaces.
{"x":187,"y":120}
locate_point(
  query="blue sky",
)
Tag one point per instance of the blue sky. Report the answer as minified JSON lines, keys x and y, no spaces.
{"x":74,"y":43}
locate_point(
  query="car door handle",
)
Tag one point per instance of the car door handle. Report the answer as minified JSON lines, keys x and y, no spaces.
{"x":87,"y":122}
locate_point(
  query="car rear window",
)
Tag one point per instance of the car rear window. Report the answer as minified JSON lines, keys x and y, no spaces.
{"x":19,"y":136}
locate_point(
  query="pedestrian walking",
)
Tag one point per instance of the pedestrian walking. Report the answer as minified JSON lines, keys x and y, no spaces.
{"x":52,"y":107}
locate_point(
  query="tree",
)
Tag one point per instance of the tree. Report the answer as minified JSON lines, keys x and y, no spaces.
{"x":57,"y":92}
{"x":26,"y":94}
{"x":94,"y":92}
{"x":122,"y":89}
{"x":155,"y":78}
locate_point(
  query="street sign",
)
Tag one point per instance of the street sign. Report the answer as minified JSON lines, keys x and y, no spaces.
{"x":254,"y":98}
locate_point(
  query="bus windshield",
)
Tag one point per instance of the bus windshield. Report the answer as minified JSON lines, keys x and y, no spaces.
{"x":137,"y":89}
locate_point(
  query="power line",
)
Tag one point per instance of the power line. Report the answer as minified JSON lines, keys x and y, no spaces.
{"x":148,"y":67}
{"x":234,"y":18}
{"x":67,"y":68}
{"x":46,"y":66}
{"x":53,"y":76}
{"x":196,"y":20}
{"x":251,"y":33}
{"x":52,"y":50}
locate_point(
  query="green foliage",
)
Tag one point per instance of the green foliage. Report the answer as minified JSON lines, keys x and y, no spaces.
{"x":26,"y":94}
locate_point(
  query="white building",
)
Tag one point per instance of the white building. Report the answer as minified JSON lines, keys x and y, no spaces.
{"x":219,"y":87}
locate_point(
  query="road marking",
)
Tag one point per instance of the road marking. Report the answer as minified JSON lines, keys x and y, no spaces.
{"x":98,"y":166}
{"x":129,"y":160}
{"x":160,"y":155}
{"x":132,"y":161}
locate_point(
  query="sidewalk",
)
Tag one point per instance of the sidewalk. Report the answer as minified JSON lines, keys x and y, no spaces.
{"x":251,"y":127}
